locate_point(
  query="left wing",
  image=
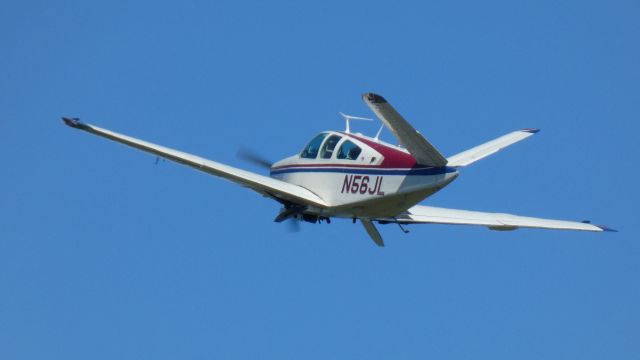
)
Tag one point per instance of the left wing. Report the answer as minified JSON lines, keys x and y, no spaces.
{"x":265,"y":185}
{"x":495,"y":221}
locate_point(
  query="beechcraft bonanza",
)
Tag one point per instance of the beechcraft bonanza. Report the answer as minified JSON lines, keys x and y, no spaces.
{"x":340,"y":174}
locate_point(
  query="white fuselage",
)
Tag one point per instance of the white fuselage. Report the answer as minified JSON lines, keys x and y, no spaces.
{"x":382,"y":180}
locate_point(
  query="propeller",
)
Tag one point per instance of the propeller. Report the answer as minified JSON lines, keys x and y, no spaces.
{"x":293,"y":225}
{"x":253,"y":157}
{"x":290,"y":213}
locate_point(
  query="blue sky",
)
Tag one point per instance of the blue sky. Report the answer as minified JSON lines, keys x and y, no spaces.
{"x":105,"y":255}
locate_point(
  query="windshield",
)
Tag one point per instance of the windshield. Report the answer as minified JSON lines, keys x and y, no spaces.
{"x":311,"y":150}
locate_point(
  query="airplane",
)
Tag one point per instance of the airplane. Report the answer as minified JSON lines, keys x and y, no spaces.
{"x":340,"y":174}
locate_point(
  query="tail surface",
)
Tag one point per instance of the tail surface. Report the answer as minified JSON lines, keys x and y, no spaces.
{"x":410,"y":138}
{"x":479,"y":152}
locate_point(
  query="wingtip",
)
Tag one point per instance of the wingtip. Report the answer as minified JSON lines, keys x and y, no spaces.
{"x":606,"y":228}
{"x":73,"y":122}
{"x":531,"y":130}
{"x":374,"y":98}
{"x":601,"y":227}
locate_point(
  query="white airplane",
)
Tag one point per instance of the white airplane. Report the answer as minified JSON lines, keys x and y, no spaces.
{"x":344,"y":175}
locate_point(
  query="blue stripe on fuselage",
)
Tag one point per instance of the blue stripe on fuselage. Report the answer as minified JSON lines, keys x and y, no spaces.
{"x":370,"y":171}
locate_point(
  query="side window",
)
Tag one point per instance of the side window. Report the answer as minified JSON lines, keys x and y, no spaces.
{"x":311,"y":150}
{"x":349,"y":151}
{"x":329,"y":145}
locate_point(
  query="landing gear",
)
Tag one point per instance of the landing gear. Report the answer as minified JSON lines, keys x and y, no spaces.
{"x":322,"y":218}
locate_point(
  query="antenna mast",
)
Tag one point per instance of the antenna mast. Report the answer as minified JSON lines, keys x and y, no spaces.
{"x":349,"y":117}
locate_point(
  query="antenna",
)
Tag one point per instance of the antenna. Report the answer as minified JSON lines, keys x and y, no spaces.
{"x":377,"y":138}
{"x":349,"y":117}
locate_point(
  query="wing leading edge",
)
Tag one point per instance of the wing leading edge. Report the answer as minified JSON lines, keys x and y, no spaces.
{"x":262,"y":184}
{"x":421,"y":214}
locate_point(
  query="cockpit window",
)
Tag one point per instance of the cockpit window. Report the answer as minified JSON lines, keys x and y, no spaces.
{"x":329,"y":145}
{"x":311,"y":150}
{"x":349,"y":151}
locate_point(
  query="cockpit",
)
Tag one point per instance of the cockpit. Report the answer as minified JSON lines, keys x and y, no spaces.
{"x":324,"y":146}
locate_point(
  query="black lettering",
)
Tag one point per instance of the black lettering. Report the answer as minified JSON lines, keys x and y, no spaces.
{"x":364,"y":184}
{"x":346,"y":185}
{"x":380,"y":187}
{"x":355,"y":184}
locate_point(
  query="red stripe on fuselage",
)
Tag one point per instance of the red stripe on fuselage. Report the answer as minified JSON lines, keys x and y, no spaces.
{"x":393,"y":158}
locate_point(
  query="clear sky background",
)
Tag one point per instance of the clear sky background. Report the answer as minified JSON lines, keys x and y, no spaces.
{"x":105,"y":255}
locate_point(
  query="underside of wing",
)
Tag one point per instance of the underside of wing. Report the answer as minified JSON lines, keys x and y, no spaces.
{"x":409,"y":137}
{"x":420,"y":214}
{"x":265,"y":185}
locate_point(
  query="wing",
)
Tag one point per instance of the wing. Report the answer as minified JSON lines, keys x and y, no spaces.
{"x":481,"y":151}
{"x":495,"y":221}
{"x":409,"y":137}
{"x":262,"y":184}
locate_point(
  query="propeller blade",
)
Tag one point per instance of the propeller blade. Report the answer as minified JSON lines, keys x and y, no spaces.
{"x":293,"y":225}
{"x":289,"y":212}
{"x":254,"y":158}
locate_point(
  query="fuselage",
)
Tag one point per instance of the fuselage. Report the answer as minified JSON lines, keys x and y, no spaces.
{"x":359,"y":176}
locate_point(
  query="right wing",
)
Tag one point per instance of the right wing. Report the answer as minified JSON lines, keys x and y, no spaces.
{"x":420,"y":214}
{"x":409,"y":137}
{"x":262,"y":184}
{"x":481,"y":151}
